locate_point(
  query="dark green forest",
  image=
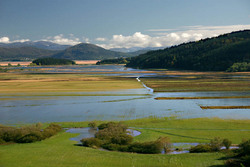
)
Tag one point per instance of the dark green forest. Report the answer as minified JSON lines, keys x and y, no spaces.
{"x":52,"y":61}
{"x":211,"y":54}
{"x":114,"y":61}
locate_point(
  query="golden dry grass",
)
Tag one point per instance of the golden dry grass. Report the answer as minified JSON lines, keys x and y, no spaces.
{"x":86,"y":61}
{"x":224,"y":107}
{"x":36,"y":83}
{"x":185,"y":98}
{"x":14,"y":63}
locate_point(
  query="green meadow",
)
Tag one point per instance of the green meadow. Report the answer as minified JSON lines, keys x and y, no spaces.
{"x":60,"y":151}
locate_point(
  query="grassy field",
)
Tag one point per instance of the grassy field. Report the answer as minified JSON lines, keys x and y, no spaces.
{"x":44,"y":83}
{"x":200,"y":130}
{"x":60,"y":151}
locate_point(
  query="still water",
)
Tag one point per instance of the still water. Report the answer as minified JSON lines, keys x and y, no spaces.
{"x":118,"y":105}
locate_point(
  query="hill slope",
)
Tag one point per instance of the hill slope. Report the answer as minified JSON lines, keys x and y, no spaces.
{"x":23,"y":53}
{"x":213,"y":54}
{"x":37,"y":44}
{"x":86,"y":51}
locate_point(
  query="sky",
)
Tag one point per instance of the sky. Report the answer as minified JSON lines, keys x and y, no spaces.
{"x":120,"y":23}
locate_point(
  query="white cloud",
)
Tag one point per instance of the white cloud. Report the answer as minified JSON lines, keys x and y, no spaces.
{"x":7,"y":40}
{"x":4,"y":40}
{"x":21,"y":40}
{"x":169,"y":37}
{"x":101,"y":39}
{"x":60,"y":39}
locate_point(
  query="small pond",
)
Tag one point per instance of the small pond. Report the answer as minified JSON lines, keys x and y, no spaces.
{"x":90,"y":132}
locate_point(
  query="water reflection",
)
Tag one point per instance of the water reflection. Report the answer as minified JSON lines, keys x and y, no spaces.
{"x":119,"y":107}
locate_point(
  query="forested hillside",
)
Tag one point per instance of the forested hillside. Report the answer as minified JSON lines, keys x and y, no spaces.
{"x":211,"y":54}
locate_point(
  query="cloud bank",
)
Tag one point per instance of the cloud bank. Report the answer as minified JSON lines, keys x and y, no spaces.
{"x":150,"y":38}
{"x":60,"y":39}
{"x":7,"y":40}
{"x":169,"y":37}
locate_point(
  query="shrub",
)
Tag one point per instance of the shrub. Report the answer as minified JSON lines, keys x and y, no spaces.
{"x":243,"y":156}
{"x":91,"y":142}
{"x":113,"y":133}
{"x":51,"y":130}
{"x":111,"y":146}
{"x":2,"y":141}
{"x":121,"y":139}
{"x":10,"y":134}
{"x":215,"y":144}
{"x":27,"y":134}
{"x":153,"y":147}
{"x":92,"y":125}
{"x":30,"y":138}
{"x":239,"y":67}
{"x":165,"y":143}
{"x":200,"y":148}
{"x":227,"y":143}
{"x":244,"y":148}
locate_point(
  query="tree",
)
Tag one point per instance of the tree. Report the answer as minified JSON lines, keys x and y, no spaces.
{"x":227,"y":143}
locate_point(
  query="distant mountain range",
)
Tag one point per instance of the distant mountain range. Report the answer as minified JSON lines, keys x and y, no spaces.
{"x":24,"y":53}
{"x":27,"y":51}
{"x":211,"y":54}
{"x":38,"y":44}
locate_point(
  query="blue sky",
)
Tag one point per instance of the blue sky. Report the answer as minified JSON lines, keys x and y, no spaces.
{"x":120,"y":23}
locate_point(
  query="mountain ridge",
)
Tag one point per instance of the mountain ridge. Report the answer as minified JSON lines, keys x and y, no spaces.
{"x":37,"y":44}
{"x":85,"y":51}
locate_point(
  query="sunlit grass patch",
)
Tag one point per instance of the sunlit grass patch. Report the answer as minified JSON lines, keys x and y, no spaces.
{"x":60,"y":151}
{"x":42,"y":83}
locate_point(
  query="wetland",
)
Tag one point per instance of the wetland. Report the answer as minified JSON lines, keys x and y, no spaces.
{"x":86,"y":93}
{"x":154,"y":102}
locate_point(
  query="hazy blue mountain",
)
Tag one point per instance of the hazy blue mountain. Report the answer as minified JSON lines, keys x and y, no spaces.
{"x":37,"y":44}
{"x":86,"y":51}
{"x":24,"y":53}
